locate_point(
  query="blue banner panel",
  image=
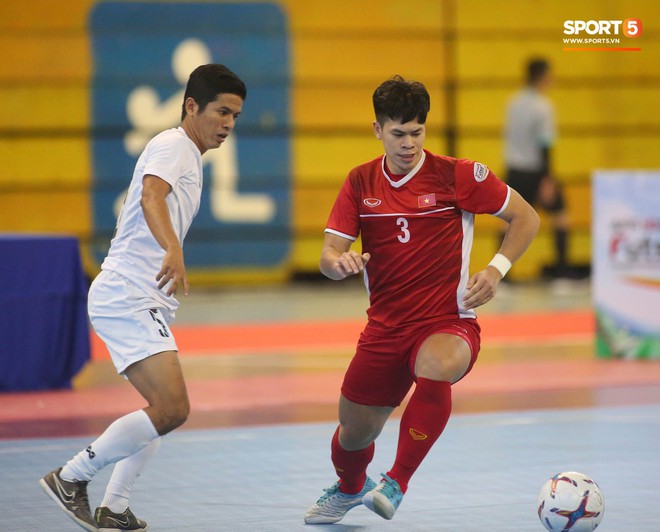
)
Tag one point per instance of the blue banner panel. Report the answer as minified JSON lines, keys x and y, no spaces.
{"x":143,"y":54}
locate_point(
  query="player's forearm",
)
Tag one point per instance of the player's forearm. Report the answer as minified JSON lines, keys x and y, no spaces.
{"x":158,"y":220}
{"x":523,"y":227}
{"x":328,"y":264}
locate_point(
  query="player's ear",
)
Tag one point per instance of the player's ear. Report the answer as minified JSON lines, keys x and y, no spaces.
{"x":191,"y":106}
{"x":378,"y":130}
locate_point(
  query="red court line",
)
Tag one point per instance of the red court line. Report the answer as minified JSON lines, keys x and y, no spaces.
{"x":277,"y":337}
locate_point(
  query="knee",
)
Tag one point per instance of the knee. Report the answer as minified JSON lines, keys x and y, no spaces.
{"x":450,"y":367}
{"x":360,"y":425}
{"x":172,"y":417}
{"x":354,"y":435}
{"x":179,"y":414}
{"x":355,"y":440}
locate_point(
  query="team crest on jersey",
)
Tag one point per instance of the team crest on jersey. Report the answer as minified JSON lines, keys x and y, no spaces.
{"x":480,"y":172}
{"x":372,"y":202}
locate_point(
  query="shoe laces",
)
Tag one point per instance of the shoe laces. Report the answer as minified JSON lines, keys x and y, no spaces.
{"x":328,"y":492}
{"x":390,"y":488}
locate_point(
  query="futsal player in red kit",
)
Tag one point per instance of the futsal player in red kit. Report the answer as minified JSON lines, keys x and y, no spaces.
{"x":414,"y":212}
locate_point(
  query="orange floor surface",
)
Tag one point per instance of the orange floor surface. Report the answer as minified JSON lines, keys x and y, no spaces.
{"x":264,"y":373}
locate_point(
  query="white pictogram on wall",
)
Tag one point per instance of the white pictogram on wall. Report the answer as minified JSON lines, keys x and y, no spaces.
{"x":149,"y":115}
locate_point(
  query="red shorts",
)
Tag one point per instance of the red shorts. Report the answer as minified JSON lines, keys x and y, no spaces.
{"x":383,"y":368}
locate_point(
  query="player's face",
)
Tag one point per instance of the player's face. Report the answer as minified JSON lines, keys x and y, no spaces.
{"x":403,"y":144}
{"x":210,"y":127}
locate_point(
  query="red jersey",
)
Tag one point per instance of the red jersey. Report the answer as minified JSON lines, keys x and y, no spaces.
{"x":418,"y":230}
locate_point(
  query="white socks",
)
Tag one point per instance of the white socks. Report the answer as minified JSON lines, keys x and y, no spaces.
{"x":123,"y":438}
{"x":123,"y":476}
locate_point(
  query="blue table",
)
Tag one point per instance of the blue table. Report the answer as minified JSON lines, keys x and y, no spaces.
{"x":44,"y":332}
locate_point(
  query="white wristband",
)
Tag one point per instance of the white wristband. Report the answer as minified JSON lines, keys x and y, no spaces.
{"x":501,"y":264}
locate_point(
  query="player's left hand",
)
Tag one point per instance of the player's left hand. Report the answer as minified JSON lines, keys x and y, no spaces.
{"x":172,"y":274}
{"x":481,"y":288}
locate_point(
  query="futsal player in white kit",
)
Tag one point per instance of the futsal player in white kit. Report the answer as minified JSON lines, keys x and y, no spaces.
{"x":132,"y":301}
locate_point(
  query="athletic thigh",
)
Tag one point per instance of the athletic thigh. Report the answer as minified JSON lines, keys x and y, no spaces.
{"x":446,"y":351}
{"x":383,"y":369}
{"x":159,"y":379}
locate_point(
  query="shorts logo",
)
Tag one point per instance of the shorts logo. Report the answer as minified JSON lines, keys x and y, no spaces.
{"x":480,"y":172}
{"x":162,"y":330}
{"x":416,"y":435}
{"x":372,"y":202}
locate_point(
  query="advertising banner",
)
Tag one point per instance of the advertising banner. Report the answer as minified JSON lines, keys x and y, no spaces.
{"x":626,"y":263}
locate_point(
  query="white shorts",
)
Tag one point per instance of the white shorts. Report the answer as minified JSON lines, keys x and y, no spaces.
{"x":132,"y":325}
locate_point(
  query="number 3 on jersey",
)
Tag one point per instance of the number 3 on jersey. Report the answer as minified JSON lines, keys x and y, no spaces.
{"x":405,"y":234}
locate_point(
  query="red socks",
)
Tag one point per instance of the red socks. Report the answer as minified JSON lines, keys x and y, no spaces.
{"x":423,"y":420}
{"x":351,"y":466}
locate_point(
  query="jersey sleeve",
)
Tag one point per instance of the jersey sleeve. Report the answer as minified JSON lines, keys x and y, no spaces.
{"x":167,"y":157}
{"x":478,"y":190}
{"x":344,"y":217}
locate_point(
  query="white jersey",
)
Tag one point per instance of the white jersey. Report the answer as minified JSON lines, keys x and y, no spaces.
{"x":134,"y":252}
{"x":530,"y":127}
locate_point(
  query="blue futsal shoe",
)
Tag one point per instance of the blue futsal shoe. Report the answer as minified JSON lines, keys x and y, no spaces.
{"x":333,"y":504}
{"x":385,"y":498}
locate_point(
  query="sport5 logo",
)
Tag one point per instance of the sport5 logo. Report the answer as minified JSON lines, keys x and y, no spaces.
{"x":630,"y":27}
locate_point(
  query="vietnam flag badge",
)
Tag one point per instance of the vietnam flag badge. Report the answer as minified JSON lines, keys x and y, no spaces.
{"x":427,"y":200}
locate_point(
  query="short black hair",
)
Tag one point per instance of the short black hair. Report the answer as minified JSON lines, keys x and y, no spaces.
{"x":207,"y":81}
{"x":537,"y":68}
{"x":400,"y":99}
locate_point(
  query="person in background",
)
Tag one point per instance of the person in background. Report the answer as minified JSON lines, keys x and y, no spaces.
{"x":414,"y":212}
{"x":132,"y":301}
{"x":530,"y":134}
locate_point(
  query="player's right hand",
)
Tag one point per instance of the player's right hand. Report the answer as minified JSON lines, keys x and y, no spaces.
{"x":350,"y":263}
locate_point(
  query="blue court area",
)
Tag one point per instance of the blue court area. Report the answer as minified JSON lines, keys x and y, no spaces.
{"x":484,"y":474}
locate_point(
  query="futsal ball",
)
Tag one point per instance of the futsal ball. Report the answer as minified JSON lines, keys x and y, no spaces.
{"x":571,"y":502}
